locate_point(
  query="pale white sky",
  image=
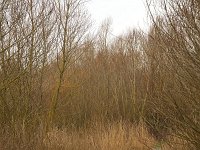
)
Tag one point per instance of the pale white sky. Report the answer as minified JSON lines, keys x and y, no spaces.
{"x":125,"y":14}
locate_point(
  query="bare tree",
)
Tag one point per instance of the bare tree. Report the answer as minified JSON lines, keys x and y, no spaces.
{"x":177,"y":37}
{"x":72,"y":25}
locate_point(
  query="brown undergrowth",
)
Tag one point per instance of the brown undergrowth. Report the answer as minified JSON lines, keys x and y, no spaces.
{"x":115,"y":136}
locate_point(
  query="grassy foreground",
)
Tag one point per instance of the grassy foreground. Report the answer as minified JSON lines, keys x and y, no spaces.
{"x":115,"y":136}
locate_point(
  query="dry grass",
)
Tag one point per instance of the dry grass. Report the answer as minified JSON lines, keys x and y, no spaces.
{"x":118,"y":136}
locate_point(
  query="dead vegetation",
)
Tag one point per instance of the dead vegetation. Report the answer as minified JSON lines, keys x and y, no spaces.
{"x":62,"y":87}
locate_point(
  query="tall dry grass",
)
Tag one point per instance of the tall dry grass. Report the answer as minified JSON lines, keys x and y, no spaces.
{"x":113,"y":136}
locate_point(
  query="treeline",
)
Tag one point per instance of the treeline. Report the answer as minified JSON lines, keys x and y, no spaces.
{"x":55,"y":74}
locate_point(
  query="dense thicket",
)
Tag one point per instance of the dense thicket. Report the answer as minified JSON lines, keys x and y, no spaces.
{"x":55,"y":74}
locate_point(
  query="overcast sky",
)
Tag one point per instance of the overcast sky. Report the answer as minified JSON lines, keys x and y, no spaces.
{"x":125,"y":14}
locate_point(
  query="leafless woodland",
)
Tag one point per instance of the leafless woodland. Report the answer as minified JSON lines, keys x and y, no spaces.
{"x":64,"y":87}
